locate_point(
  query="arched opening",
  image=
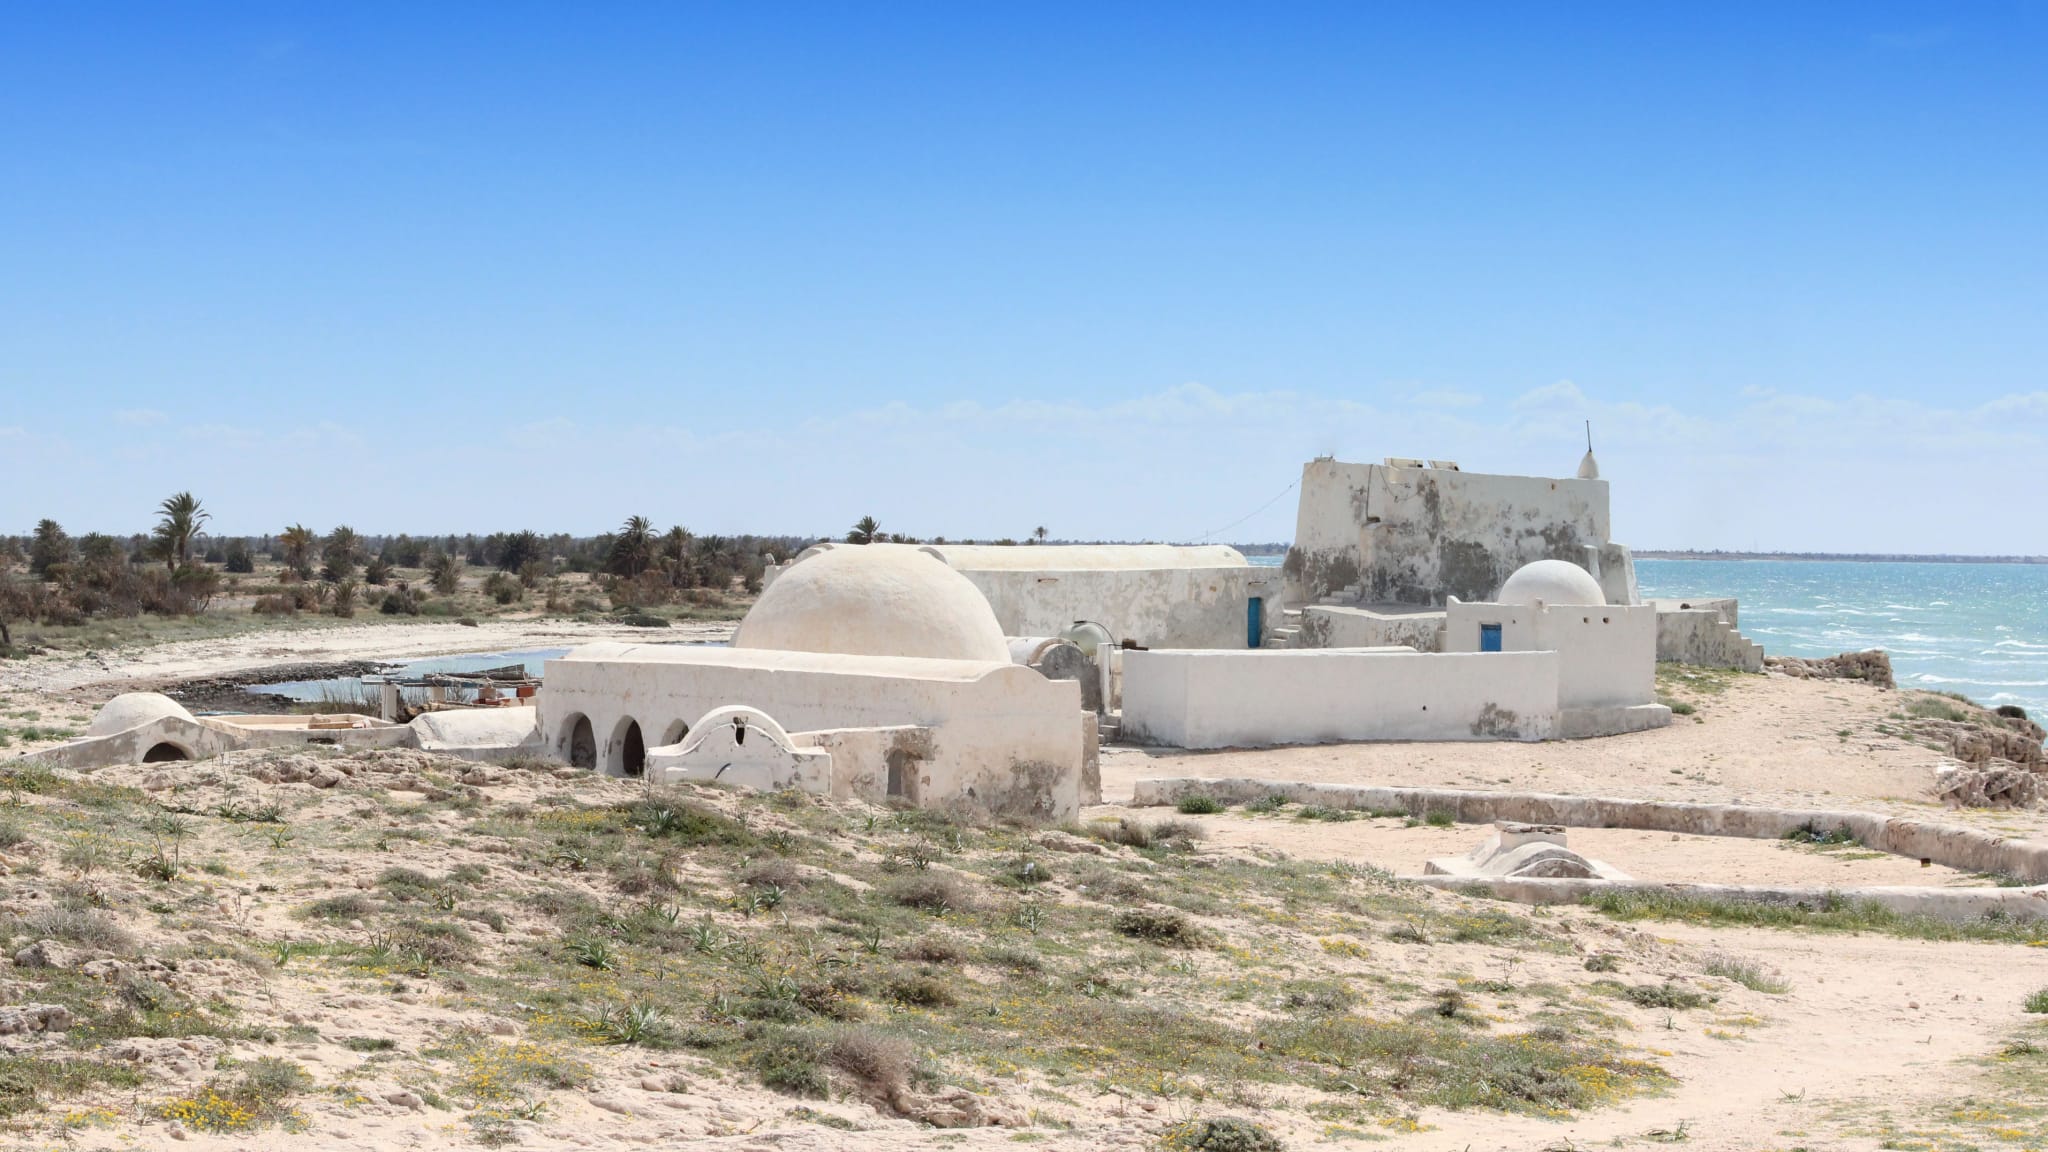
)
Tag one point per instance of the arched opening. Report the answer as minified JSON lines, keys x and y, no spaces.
{"x":165,"y":753}
{"x":625,"y":754}
{"x":675,"y":732}
{"x":634,"y":753}
{"x":582,"y":745}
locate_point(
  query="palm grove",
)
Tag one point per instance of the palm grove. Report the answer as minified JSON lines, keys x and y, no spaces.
{"x":53,"y":579}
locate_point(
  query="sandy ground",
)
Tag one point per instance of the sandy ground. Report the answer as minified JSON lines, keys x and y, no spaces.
{"x":1875,"y":1035}
{"x":1656,"y":856}
{"x":118,"y":669}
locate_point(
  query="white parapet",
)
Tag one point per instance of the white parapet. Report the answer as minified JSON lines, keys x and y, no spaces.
{"x":1250,"y":699}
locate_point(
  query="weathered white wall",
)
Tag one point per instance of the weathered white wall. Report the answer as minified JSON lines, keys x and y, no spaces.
{"x":1334,"y":626}
{"x":1607,"y":654}
{"x":1189,"y":699}
{"x":1705,"y":637}
{"x":1004,"y":741}
{"x":1156,"y":607}
{"x":1726,"y":607}
{"x":1418,"y":535}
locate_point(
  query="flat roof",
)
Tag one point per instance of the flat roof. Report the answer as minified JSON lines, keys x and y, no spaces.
{"x":1086,"y":557}
{"x":907,"y":667}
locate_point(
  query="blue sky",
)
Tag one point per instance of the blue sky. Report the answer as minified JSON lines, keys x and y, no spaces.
{"x":1114,"y":269}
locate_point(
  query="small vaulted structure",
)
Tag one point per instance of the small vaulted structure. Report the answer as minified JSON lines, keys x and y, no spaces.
{"x":873,"y":671}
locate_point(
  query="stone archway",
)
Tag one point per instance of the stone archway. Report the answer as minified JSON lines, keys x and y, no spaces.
{"x":582,"y":744}
{"x":165,"y":753}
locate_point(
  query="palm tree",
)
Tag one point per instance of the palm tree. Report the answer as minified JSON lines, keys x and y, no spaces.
{"x":633,"y":549}
{"x":1038,"y":534}
{"x":340,"y":553}
{"x":866,"y":530}
{"x":295,"y":545}
{"x":182,"y":518}
{"x":50,"y":547}
{"x":675,"y":555}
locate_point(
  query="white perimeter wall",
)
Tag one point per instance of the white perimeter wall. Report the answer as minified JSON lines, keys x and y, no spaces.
{"x":1157,"y":607}
{"x":1005,"y":740}
{"x":1252,"y":699}
{"x":1607,"y":654}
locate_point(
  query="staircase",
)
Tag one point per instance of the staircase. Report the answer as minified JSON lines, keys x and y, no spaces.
{"x":1284,"y":635}
{"x":1704,"y":639}
{"x":1739,"y":650}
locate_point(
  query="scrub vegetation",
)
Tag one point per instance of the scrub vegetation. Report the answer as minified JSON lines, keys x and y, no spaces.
{"x":819,"y":963}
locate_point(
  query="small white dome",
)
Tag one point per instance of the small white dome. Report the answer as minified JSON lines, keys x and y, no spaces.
{"x":875,"y":600}
{"x":1553,"y":582}
{"x":1589,"y":468}
{"x":132,"y":710}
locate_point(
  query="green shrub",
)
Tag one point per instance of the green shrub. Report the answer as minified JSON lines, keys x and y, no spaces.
{"x":1199,"y":804}
{"x":1159,"y":925}
{"x":1665,"y":995}
{"x":1751,"y":974}
{"x":791,"y":1061}
{"x":2036,"y":1002}
{"x":1223,"y":1134}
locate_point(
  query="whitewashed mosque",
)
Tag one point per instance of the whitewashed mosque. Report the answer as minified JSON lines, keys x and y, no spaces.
{"x":1420,"y":602}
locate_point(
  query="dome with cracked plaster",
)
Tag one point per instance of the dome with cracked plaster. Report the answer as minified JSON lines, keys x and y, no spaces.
{"x":132,"y":710}
{"x":1552,"y":582}
{"x":875,"y":600}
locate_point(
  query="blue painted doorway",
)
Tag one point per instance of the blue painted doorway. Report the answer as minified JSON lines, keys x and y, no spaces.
{"x":1254,"y":621}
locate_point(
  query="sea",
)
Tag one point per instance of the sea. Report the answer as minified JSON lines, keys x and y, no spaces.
{"x":1977,"y":629}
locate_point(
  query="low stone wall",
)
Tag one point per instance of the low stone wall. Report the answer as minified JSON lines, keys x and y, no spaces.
{"x":1938,"y":903}
{"x":1330,"y":626}
{"x":1949,"y":845}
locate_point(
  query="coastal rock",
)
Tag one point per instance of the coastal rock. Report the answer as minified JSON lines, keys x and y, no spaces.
{"x":1874,"y":666}
{"x":2000,"y":787}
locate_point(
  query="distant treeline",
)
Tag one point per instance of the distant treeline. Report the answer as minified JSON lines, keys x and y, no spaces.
{"x":1856,"y":557}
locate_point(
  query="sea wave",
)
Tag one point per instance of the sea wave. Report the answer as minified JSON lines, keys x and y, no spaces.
{"x":1932,"y":678}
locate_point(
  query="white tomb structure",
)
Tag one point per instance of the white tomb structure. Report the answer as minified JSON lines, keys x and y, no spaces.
{"x":878,"y":658}
{"x":1543,"y":659}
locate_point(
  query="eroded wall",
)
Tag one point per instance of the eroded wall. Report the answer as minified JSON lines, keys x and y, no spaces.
{"x":1420,"y":535}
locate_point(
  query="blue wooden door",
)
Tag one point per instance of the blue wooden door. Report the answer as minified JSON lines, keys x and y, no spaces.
{"x":1254,"y":621}
{"x":1489,"y":637}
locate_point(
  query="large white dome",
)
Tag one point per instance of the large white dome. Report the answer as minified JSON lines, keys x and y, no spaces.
{"x":132,"y":710}
{"x":1553,"y":582}
{"x":875,"y":600}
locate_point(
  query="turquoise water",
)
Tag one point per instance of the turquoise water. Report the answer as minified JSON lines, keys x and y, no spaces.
{"x":1977,"y":629}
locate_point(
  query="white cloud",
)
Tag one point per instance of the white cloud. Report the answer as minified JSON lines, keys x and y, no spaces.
{"x":139,"y":417}
{"x":1563,"y":395}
